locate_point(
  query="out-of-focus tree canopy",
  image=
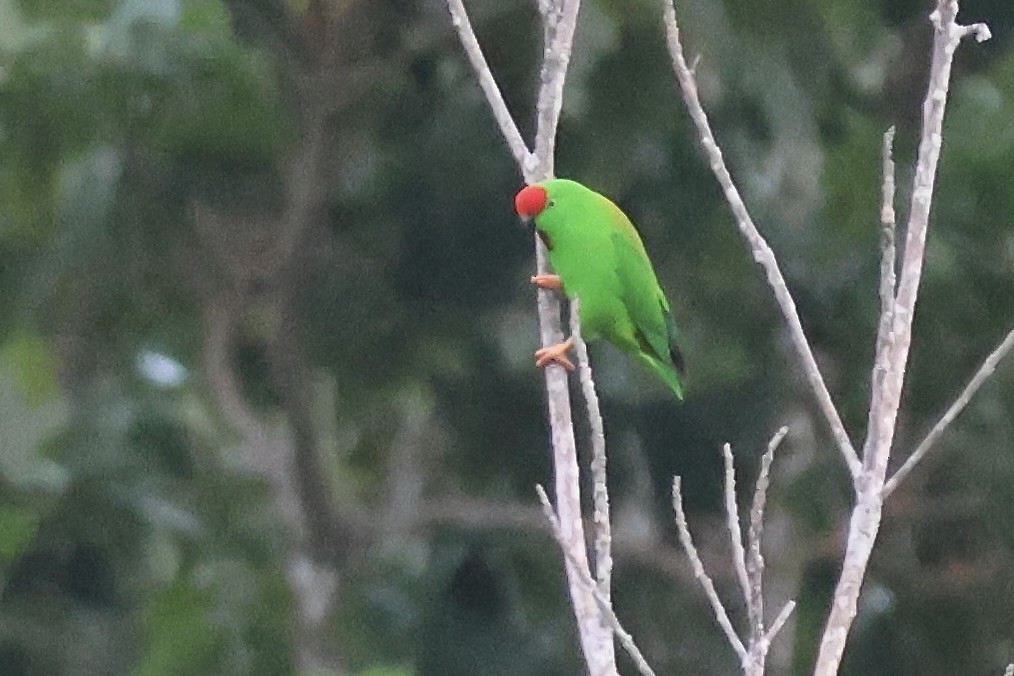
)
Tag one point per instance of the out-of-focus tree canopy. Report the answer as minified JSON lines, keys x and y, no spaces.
{"x":267,"y":400}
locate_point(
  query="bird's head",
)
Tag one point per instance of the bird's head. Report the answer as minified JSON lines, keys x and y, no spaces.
{"x":531,"y":201}
{"x":552,"y":203}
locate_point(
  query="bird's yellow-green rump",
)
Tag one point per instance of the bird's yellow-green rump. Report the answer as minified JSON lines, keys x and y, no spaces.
{"x":600,"y":259}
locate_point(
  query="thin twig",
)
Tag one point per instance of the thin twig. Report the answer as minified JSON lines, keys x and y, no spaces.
{"x":759,"y":248}
{"x":605,"y":606}
{"x":985,"y":371}
{"x":702,"y":577}
{"x":947,"y":36}
{"x":780,"y":621}
{"x":755,"y":558}
{"x":735,"y":531}
{"x":600,"y":489}
{"x":888,"y":223}
{"x":509,"y":129}
{"x":888,"y":260}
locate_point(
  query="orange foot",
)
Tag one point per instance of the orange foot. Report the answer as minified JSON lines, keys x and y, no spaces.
{"x":555,"y":353}
{"x":547,"y":282}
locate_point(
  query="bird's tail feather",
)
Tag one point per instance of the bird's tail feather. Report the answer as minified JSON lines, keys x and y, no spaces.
{"x":667,"y":372}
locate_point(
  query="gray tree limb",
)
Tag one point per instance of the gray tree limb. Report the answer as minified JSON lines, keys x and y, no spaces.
{"x":865,"y":520}
{"x":759,"y":248}
{"x":559,"y":23}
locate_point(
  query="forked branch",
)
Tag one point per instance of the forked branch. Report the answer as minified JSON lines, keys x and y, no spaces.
{"x":894,"y":332}
{"x":559,"y":22}
{"x":981,"y":376}
{"x":604,"y":602}
{"x":748,"y":562}
{"x":600,"y":489}
{"x":759,"y":247}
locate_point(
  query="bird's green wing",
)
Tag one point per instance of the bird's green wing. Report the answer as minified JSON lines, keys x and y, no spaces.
{"x":654,"y":324}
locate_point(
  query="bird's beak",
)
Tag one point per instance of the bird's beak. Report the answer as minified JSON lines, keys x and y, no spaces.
{"x":528,"y":221}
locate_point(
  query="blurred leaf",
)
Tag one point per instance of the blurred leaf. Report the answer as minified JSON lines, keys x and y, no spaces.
{"x":181,"y":638}
{"x":17,"y":528}
{"x":388,"y":670}
{"x":31,"y":366}
{"x":15,"y":32}
{"x":66,"y":10}
{"x":208,"y":16}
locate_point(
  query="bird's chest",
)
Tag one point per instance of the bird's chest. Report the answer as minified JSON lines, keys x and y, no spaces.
{"x":589,"y":272}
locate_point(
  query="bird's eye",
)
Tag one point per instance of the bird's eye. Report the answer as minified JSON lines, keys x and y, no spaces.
{"x":551,"y":203}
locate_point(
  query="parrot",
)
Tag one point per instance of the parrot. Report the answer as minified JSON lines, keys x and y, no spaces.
{"x":599,"y":259}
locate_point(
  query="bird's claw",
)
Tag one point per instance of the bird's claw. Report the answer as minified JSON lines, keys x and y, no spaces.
{"x":547,"y":282}
{"x":555,"y":353}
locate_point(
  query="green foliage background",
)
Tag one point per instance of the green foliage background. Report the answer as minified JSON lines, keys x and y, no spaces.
{"x":321,"y":182}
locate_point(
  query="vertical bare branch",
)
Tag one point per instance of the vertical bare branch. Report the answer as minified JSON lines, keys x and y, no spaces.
{"x":865,"y":522}
{"x":955,"y":409}
{"x":559,"y":22}
{"x":735,"y":531}
{"x":605,"y":605}
{"x":888,"y":223}
{"x":759,"y":248}
{"x":596,"y":638}
{"x":894,"y":332}
{"x":695,"y":562}
{"x":755,"y":558}
{"x":888,"y":261}
{"x":600,"y":489}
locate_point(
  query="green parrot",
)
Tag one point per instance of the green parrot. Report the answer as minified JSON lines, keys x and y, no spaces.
{"x":600,"y":259}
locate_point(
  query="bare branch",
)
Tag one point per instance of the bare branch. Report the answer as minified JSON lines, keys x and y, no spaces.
{"x":888,"y":261}
{"x":985,"y":371}
{"x":605,"y":605}
{"x":596,"y":640}
{"x":559,"y":22}
{"x":755,"y":558}
{"x":888,"y":251}
{"x":600,"y":488}
{"x":702,"y":577}
{"x":865,"y":521}
{"x":560,"y":25}
{"x":221,"y":314}
{"x":559,"y":19}
{"x":979,"y":31}
{"x":509,"y":129}
{"x":735,"y":532}
{"x":759,"y":248}
{"x":780,"y":621}
{"x":948,"y":35}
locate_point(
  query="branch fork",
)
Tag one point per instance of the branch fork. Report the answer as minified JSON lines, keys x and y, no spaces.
{"x":898,"y":293}
{"x":595,"y":621}
{"x":748,"y":562}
